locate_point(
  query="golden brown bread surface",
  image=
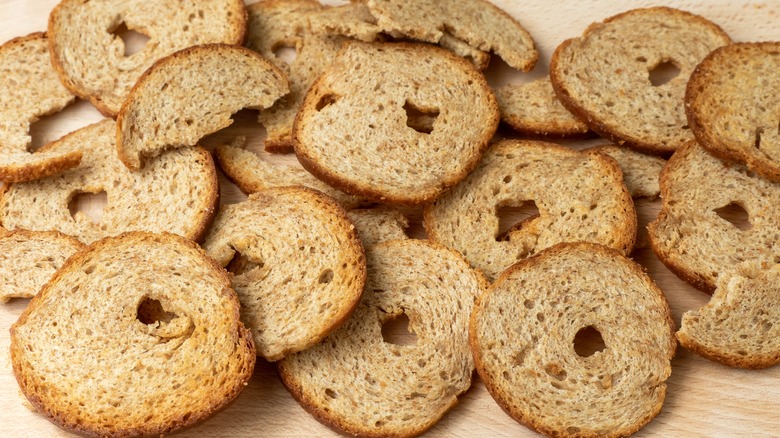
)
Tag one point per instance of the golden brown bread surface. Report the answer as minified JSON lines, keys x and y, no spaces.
{"x":136,"y":335}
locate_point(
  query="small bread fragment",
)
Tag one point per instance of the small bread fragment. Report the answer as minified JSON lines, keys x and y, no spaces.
{"x":690,"y":236}
{"x":528,"y":332}
{"x":360,"y":384}
{"x":29,"y":89}
{"x":137,"y":335}
{"x":177,"y":192}
{"x":168,"y":107}
{"x":732,"y":105}
{"x":738,"y":327}
{"x":583,"y":199}
{"x":90,"y":55}
{"x":274,"y":24}
{"x":29,"y":259}
{"x":606,"y":77}
{"x":532,"y":109}
{"x":640,"y":171}
{"x":395,"y":123}
{"x":378,"y":224}
{"x":305,"y":272}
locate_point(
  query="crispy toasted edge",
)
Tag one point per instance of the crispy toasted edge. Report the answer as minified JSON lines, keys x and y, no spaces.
{"x":366,"y":190}
{"x":529,"y":263}
{"x":179,"y":56}
{"x":604,"y":150}
{"x":698,"y":123}
{"x":239,"y":26}
{"x":580,"y":110}
{"x":329,"y":419}
{"x":136,"y":238}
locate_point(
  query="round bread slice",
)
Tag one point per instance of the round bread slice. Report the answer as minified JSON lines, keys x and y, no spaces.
{"x":641,"y":172}
{"x":580,"y":197}
{"x":28,"y":259}
{"x":177,"y":192}
{"x":168,"y":108}
{"x":694,"y":235}
{"x":89,"y":53}
{"x":606,"y":77}
{"x":137,"y":335}
{"x":732,"y":105}
{"x":29,"y":89}
{"x":303,"y":267}
{"x":738,"y":327}
{"x":395,"y":123}
{"x":532,"y":109}
{"x":378,"y":224}
{"x":359,"y":384}
{"x":575,"y":342}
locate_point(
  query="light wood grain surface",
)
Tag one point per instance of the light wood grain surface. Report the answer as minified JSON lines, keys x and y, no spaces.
{"x":704,"y":399}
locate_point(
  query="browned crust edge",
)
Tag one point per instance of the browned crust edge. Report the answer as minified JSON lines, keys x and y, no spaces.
{"x":244,"y":340}
{"x":595,"y":123}
{"x":493,"y":390}
{"x":724,"y":357}
{"x":210,"y":206}
{"x":233,"y":172}
{"x":368,"y":191}
{"x":700,"y":78}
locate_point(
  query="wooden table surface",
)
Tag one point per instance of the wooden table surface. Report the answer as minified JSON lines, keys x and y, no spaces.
{"x":704,"y":399}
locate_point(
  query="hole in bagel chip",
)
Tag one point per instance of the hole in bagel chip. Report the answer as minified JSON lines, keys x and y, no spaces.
{"x":663,"y":73}
{"x":734,"y":214}
{"x":87,"y":205}
{"x":512,"y":218}
{"x":396,"y":331}
{"x":132,"y":40}
{"x":588,"y":341}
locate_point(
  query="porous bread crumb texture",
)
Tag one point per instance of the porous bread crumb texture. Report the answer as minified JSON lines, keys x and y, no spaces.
{"x":641,"y":172}
{"x":603,"y":77}
{"x":533,"y":109}
{"x":29,"y":90}
{"x":582,"y":199}
{"x":90,"y":59}
{"x":176,"y":192}
{"x":138,"y":335}
{"x":395,"y":123}
{"x":378,"y":224}
{"x":303,"y":270}
{"x":168,"y":108}
{"x":688,"y":235}
{"x":478,"y":23}
{"x":523,"y":330}
{"x":733,"y":105}
{"x":252,"y":173}
{"x":28,"y":259}
{"x":358,"y":384}
{"x":275,"y":24}
{"x":739,"y":326}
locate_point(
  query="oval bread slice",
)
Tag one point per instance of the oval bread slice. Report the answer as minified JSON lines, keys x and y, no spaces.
{"x":732,"y":105}
{"x":604,"y":77}
{"x":395,"y":123}
{"x":190,"y":94}
{"x":357,"y":383}
{"x":579,"y":195}
{"x":90,"y":58}
{"x":526,"y":336}
{"x":303,"y":270}
{"x":177,"y":192}
{"x":137,"y":335}
{"x":29,"y":89}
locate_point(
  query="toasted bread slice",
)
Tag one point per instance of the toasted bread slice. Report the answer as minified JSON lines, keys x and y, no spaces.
{"x":252,"y":173}
{"x":274,"y":24}
{"x":692,"y":238}
{"x":738,"y":327}
{"x":168,"y":108}
{"x":29,"y":89}
{"x":532,"y":109}
{"x":308,"y":268}
{"x":117,"y":343}
{"x":395,"y":123}
{"x":90,"y":57}
{"x":177,"y":192}
{"x":28,"y":259}
{"x":641,"y":172}
{"x":732,"y":105}
{"x":528,"y":336}
{"x":357,"y":383}
{"x":606,"y":77}
{"x":583,"y":199}
{"x":379,"y":224}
